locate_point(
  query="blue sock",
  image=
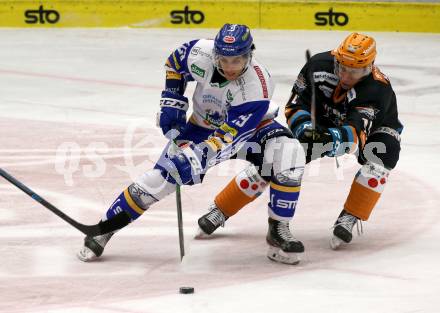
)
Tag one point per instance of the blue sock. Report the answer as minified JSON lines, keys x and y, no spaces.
{"x":125,"y":203}
{"x":283,"y":200}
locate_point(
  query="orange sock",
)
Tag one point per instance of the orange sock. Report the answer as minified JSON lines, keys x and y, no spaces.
{"x":366,"y":190}
{"x":241,"y":190}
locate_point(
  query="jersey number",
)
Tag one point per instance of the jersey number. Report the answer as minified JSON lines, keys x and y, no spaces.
{"x":242,"y":119}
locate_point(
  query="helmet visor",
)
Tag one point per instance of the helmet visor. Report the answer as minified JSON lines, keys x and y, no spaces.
{"x":232,"y":66}
{"x":354,"y":73}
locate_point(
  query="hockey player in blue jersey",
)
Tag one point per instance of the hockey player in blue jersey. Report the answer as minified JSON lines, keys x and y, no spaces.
{"x":233,"y":117}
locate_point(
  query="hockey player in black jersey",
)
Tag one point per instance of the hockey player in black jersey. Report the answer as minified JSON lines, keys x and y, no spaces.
{"x":356,"y":112}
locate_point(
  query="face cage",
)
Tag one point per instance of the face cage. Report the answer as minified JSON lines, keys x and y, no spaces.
{"x":248,"y":56}
{"x":355,"y":73}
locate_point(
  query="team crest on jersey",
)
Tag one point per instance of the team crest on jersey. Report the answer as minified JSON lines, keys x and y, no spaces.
{"x":334,"y":114}
{"x":197,"y":70}
{"x":229,"y":39}
{"x":214,"y":118}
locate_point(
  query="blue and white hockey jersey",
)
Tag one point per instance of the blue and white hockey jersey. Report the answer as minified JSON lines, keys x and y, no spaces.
{"x":232,"y":109}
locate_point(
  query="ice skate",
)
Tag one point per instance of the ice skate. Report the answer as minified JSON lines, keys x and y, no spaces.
{"x":342,"y":229}
{"x":283,"y":247}
{"x":209,"y":222}
{"x":93,"y":247}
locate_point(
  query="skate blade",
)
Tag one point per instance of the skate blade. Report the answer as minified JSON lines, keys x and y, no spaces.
{"x":86,"y":255}
{"x":336,"y":242}
{"x":278,"y":255}
{"x":200,"y":234}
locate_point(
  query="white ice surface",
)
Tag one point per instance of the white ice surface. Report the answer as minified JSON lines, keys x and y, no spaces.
{"x":97,"y":92}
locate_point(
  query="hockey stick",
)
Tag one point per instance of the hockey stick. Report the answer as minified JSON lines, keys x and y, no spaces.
{"x":117,"y":222}
{"x":313,"y":100}
{"x":172,"y":135}
{"x":313,"y":104}
{"x":179,"y":222}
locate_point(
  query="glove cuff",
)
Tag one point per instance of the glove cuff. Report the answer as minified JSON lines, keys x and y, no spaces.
{"x":298,"y":131}
{"x":175,"y":101}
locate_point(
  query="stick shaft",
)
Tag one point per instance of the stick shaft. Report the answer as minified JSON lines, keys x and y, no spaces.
{"x":119,"y":221}
{"x":180,"y":222}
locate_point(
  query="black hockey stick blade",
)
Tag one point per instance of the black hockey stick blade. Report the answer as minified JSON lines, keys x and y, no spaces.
{"x":120,"y":220}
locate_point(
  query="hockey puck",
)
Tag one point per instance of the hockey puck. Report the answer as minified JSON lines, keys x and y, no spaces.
{"x":186,"y":290}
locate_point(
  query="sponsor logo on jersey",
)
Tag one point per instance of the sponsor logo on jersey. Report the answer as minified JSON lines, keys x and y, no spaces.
{"x":326,"y":90}
{"x":300,"y":83}
{"x":195,"y":50}
{"x":351,"y":95}
{"x":332,"y":79}
{"x":199,"y":51}
{"x":262,"y":80}
{"x":220,"y":85}
{"x":241,"y":82}
{"x":228,"y":129}
{"x":197,"y":70}
{"x":212,"y":99}
{"x":229,"y":96}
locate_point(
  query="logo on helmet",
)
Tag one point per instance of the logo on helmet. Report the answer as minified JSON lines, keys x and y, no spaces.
{"x":352,"y":48}
{"x":370,"y":48}
{"x":229,"y":39}
{"x":245,"y":36}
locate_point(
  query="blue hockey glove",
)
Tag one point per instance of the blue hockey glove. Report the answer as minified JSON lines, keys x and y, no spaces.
{"x":338,"y":147}
{"x":187,"y":166}
{"x":330,"y":138}
{"x":172,"y":113}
